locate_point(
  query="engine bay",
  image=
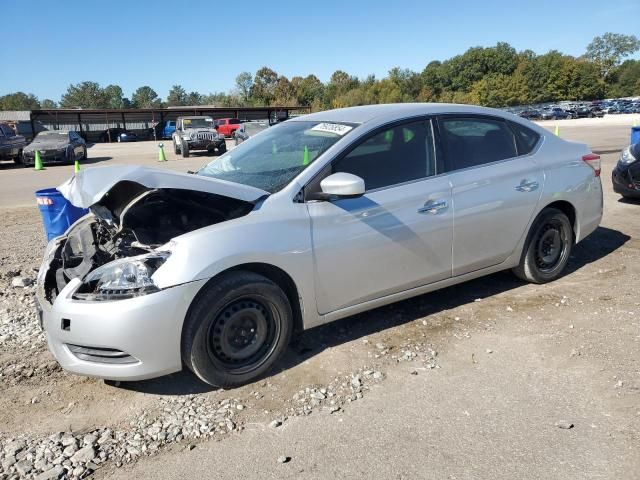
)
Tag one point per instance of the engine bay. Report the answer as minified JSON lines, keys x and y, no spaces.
{"x":132,"y":220}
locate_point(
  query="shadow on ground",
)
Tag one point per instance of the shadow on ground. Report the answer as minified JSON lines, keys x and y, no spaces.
{"x":601,"y":243}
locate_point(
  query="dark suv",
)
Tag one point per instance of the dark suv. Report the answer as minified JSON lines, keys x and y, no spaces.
{"x":11,"y":145}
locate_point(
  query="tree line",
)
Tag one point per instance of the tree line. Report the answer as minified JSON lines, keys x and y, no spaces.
{"x":496,"y":76}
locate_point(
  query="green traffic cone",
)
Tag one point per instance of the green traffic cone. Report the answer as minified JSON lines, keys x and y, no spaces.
{"x":38,"y":161}
{"x":161,"y":156}
{"x":305,"y":156}
{"x":76,"y":166}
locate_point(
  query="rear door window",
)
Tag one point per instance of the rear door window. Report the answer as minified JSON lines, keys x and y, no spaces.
{"x":474,"y":141}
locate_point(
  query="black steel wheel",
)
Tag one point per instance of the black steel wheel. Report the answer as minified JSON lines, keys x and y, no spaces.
{"x":236,"y":328}
{"x":547,"y":248}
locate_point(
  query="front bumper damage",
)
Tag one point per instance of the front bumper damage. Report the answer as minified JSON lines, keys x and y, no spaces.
{"x":131,"y":339}
{"x":134,"y":211}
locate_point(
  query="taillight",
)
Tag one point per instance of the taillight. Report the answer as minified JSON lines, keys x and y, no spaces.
{"x":593,"y":160}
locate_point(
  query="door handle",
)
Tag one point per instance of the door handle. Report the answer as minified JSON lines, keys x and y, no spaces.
{"x":525,"y":186}
{"x":433,"y":208}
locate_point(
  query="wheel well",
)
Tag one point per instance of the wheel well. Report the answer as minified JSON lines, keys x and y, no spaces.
{"x":570,"y":211}
{"x":283,"y":280}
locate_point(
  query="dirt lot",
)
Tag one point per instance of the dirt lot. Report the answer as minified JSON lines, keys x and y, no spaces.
{"x":492,"y":378}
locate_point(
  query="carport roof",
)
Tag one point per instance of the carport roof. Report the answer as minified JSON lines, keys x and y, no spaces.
{"x":14,"y":115}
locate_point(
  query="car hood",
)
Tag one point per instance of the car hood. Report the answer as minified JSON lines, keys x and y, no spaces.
{"x":87,"y":187}
{"x":46,"y":144}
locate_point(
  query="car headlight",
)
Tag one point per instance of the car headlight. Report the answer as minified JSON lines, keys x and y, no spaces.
{"x":123,"y":278}
{"x":626,"y":157}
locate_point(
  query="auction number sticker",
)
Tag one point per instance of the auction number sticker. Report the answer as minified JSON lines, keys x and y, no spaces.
{"x":336,"y":128}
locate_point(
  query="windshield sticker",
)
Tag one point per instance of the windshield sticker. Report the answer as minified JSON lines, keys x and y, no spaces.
{"x":335,"y":128}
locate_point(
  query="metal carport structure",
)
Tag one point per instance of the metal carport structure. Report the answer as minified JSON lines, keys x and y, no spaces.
{"x":90,"y":123}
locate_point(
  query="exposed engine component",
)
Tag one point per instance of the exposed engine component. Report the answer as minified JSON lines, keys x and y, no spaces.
{"x":131,"y":220}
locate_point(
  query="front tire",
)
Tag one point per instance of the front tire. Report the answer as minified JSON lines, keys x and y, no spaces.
{"x":184,"y":148}
{"x":547,"y":248}
{"x":176,"y":150}
{"x":236,"y":328}
{"x":18,"y":159}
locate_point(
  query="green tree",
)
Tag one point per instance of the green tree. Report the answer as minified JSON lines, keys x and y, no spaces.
{"x":309,"y":90}
{"x":194,"y":98}
{"x":48,"y":104}
{"x":177,"y":96}
{"x":264,"y":85}
{"x":115,"y":97}
{"x":84,"y":95}
{"x":19,"y":101}
{"x":608,"y":50}
{"x":624,"y":82}
{"x":145,"y":97}
{"x":284,"y":93}
{"x":244,"y":82}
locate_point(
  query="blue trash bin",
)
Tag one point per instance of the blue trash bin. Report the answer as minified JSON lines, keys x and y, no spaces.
{"x":635,"y":134}
{"x":58,"y":214}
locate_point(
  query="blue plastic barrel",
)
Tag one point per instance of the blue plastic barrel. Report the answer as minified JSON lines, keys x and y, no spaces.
{"x":635,"y":134}
{"x":58,"y":214}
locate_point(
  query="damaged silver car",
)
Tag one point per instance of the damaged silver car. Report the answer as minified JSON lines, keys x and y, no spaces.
{"x":315,"y":219}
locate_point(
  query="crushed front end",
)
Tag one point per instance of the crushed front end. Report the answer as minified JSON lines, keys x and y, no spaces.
{"x":103,"y":313}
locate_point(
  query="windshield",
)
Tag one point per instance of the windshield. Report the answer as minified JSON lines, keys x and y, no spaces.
{"x":197,"y":123}
{"x":253,"y":128}
{"x":275,"y":157}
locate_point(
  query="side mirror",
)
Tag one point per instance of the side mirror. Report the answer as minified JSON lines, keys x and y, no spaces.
{"x":341,"y":185}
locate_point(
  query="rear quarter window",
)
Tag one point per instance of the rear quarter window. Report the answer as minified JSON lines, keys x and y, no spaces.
{"x":526,"y":138}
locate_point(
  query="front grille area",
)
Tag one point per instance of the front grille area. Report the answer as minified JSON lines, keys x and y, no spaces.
{"x":206,"y":136}
{"x":101,"y":355}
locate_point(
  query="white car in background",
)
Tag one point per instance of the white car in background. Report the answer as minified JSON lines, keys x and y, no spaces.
{"x":314,"y":219}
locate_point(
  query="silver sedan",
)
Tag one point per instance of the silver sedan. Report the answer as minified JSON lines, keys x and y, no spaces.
{"x":315,"y":219}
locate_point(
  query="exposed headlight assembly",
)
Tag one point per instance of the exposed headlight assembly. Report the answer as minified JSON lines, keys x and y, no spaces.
{"x":123,"y":278}
{"x":626,"y":157}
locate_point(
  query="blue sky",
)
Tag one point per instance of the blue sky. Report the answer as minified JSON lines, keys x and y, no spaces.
{"x":203,"y":45}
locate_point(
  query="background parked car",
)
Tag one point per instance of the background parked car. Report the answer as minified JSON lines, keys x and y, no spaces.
{"x":118,"y":135}
{"x":227,"y":126}
{"x":11,"y":145}
{"x":626,"y":174}
{"x":555,"y":113}
{"x":249,"y":129}
{"x":530,"y":114}
{"x":56,"y":146}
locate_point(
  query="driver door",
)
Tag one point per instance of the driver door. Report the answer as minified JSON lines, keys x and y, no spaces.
{"x":398,"y":235}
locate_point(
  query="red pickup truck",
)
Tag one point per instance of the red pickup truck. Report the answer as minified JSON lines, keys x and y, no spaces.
{"x":227,"y":126}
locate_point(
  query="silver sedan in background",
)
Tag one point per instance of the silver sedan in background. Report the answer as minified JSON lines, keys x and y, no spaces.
{"x":315,"y":219}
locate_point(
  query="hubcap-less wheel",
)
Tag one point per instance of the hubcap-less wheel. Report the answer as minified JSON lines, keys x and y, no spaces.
{"x":243,"y":335}
{"x":549,"y":246}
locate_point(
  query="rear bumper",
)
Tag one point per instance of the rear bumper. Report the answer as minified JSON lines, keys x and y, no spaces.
{"x":132,"y":339}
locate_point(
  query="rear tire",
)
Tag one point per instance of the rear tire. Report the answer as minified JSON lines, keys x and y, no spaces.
{"x":236,"y":328}
{"x":547,"y":247}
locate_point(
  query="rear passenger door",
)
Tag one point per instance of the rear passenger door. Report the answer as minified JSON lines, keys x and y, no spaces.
{"x":496,"y":185}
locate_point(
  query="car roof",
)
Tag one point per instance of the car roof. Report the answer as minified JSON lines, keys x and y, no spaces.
{"x":393,"y":111}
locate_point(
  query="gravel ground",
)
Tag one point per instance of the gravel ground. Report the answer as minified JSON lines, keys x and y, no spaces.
{"x":576,"y":341}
